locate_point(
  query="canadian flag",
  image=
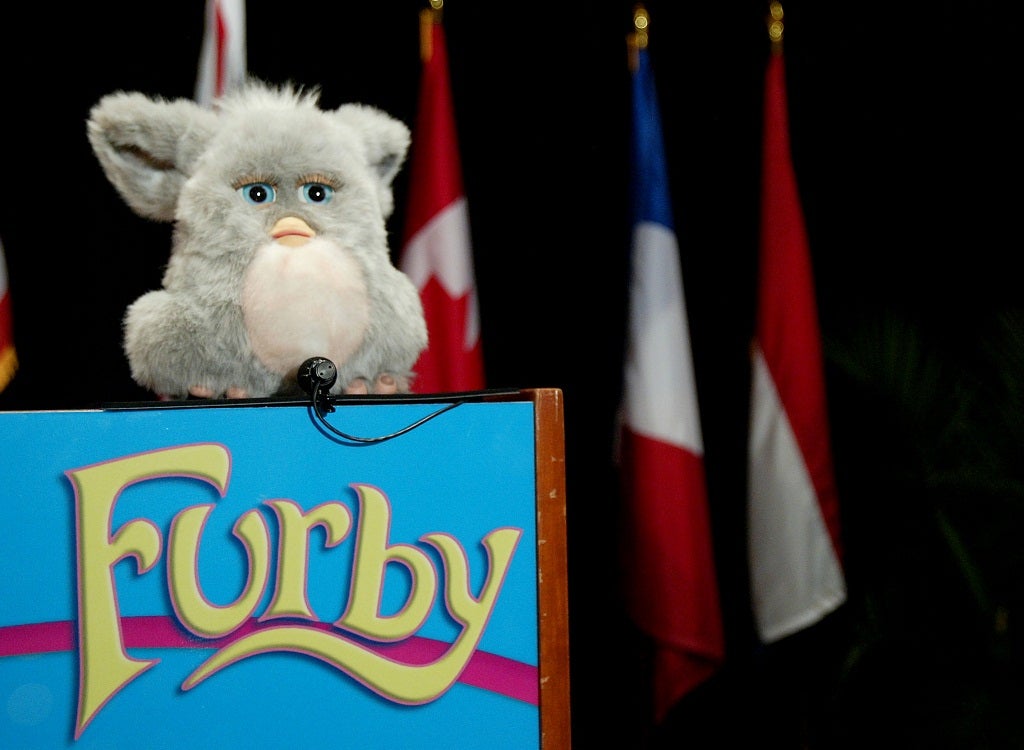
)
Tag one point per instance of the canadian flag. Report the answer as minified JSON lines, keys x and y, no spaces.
{"x":436,"y":250}
{"x":222,"y":58}
{"x":793,"y":507}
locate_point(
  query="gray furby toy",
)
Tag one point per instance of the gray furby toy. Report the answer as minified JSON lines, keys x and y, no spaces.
{"x":279,"y":250}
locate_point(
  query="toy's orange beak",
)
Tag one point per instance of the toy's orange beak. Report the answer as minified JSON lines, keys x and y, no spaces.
{"x":292,"y":231}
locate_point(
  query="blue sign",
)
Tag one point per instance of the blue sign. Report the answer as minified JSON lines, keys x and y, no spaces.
{"x":236,"y":576}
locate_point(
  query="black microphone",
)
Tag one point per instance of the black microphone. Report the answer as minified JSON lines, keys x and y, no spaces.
{"x":316,"y":376}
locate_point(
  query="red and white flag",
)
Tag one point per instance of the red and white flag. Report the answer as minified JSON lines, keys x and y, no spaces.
{"x":670,"y":579}
{"x":436,"y":250}
{"x":793,"y":508}
{"x":222,"y":58}
{"x":8,"y":357}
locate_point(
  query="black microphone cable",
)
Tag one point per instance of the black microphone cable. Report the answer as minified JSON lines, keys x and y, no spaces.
{"x":317,"y":375}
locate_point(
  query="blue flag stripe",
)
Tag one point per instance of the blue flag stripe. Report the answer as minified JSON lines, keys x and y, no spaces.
{"x":649,"y":173}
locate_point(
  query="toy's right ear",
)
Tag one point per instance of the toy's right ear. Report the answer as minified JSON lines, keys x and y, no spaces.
{"x":148,"y":147}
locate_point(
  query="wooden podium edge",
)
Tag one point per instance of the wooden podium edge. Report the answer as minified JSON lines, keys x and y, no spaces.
{"x":552,"y":568}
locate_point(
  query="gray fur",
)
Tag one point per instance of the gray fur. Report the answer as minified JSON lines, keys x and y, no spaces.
{"x":227,"y":281}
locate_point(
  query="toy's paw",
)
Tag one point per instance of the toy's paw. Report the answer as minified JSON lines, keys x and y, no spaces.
{"x":385,"y":383}
{"x":202,"y":391}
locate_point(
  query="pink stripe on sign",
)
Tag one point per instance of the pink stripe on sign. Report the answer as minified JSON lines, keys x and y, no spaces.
{"x":497,"y":674}
{"x":38,"y":638}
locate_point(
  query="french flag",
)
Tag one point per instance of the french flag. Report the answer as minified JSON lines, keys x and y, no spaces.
{"x":671,"y":584}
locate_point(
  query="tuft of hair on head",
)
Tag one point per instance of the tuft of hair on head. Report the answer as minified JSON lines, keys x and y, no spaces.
{"x":261,"y":94}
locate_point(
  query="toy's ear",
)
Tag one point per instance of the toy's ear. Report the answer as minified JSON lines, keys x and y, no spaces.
{"x":386,"y":142}
{"x":148,"y":147}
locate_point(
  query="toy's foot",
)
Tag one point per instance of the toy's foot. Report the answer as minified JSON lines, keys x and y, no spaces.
{"x":385,"y":384}
{"x":201,"y":391}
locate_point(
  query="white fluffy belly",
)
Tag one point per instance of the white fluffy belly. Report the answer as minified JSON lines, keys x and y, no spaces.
{"x":301,"y":302}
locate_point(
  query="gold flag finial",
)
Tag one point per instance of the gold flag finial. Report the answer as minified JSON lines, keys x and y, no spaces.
{"x":775,"y":25}
{"x":637,"y":39}
{"x":428,"y":17}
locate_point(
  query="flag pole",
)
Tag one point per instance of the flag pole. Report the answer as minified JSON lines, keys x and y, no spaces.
{"x":637,"y":40}
{"x":775,"y":25}
{"x":428,"y":17}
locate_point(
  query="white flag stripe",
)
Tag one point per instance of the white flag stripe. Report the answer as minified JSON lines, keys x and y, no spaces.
{"x":429,"y":252}
{"x":660,"y":400}
{"x":787,"y":531}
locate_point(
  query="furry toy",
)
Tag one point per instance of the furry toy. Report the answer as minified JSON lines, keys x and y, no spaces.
{"x":279,"y":250}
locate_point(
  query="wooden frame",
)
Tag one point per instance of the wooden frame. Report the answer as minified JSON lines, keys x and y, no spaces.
{"x":552,"y":569}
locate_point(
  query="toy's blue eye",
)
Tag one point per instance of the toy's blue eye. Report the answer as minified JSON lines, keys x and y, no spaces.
{"x":257,"y":193}
{"x":315,"y":192}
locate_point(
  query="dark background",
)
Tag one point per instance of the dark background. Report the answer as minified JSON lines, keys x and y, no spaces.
{"x":905,"y":124}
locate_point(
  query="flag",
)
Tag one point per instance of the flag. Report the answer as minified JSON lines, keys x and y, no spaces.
{"x":436,"y":250}
{"x":793,"y":507}
{"x":8,"y":357}
{"x":222,"y":58}
{"x":670,"y":578}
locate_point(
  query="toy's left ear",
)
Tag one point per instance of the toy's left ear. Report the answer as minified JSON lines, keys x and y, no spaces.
{"x":148,"y":147}
{"x":386,"y":143}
